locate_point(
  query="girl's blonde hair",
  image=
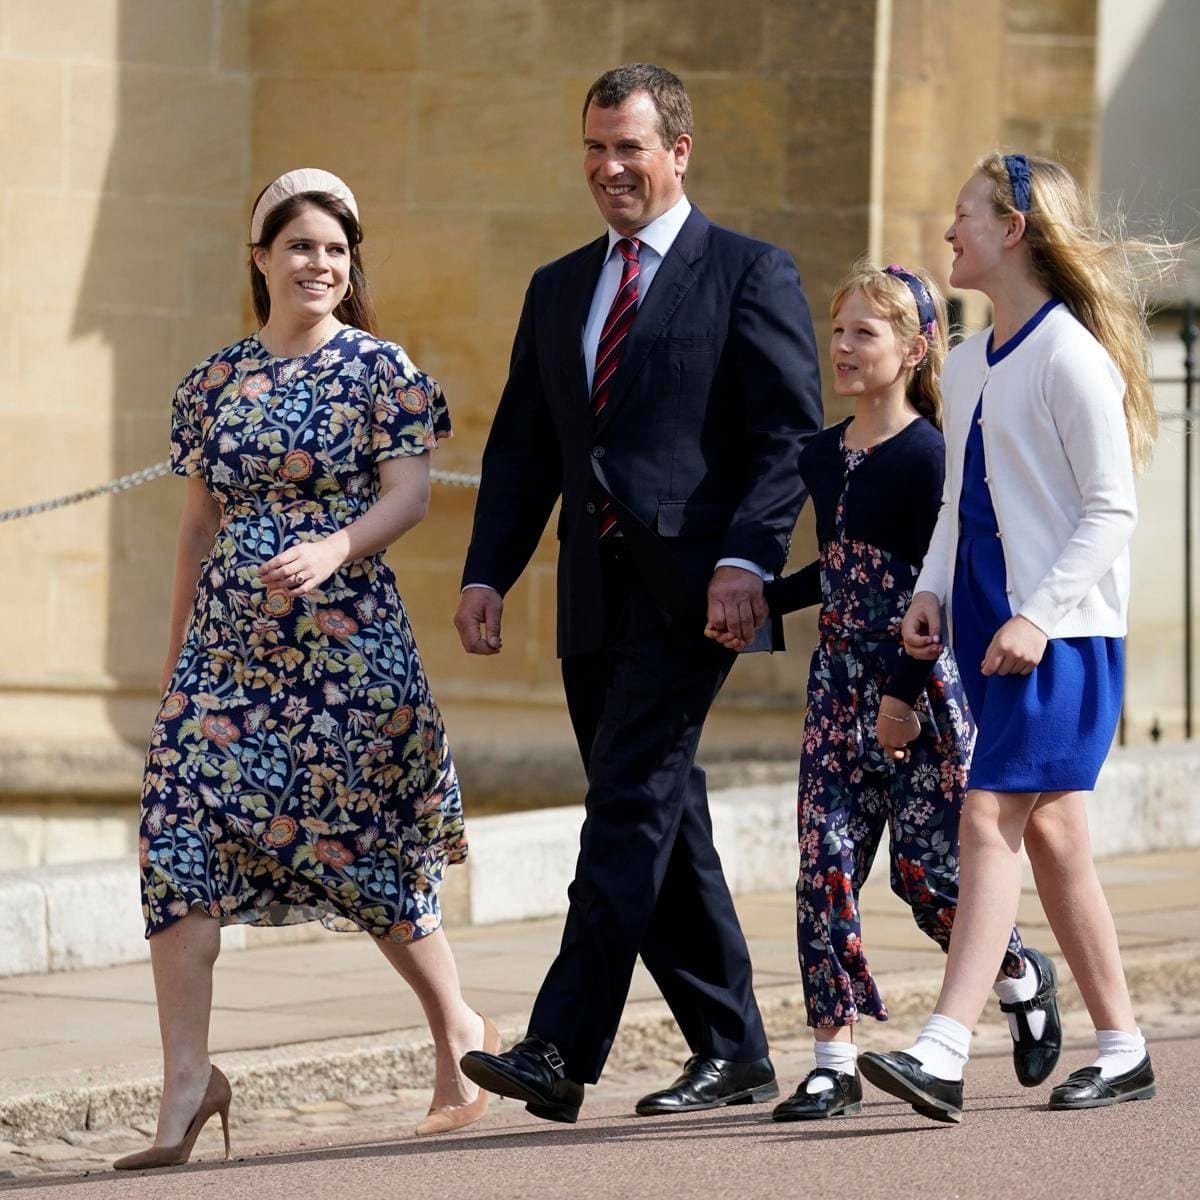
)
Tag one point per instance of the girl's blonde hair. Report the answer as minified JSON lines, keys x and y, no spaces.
{"x":894,"y":301}
{"x":1099,"y":276}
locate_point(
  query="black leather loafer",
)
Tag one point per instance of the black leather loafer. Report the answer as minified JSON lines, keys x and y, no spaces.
{"x":902,"y":1076}
{"x":842,"y":1100}
{"x":1034,"y":1058}
{"x":710,"y":1083}
{"x":1086,"y":1089}
{"x":533,"y":1071}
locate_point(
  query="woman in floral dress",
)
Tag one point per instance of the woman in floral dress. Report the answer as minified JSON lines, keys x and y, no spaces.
{"x":298,"y":768}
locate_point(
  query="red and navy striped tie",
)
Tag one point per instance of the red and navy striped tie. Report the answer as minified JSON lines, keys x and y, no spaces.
{"x":608,"y":352}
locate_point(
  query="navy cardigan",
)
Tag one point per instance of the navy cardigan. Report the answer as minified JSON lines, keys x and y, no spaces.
{"x":892,"y":501}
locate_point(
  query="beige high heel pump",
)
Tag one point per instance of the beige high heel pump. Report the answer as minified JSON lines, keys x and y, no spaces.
{"x":448,"y":1117}
{"x":216,"y":1100}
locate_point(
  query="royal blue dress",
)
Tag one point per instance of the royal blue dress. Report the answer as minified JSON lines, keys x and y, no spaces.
{"x":1048,"y":731}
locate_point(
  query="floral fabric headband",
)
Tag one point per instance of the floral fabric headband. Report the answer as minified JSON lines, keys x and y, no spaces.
{"x":305,"y":179}
{"x":926,"y":313}
{"x":1020,"y":180}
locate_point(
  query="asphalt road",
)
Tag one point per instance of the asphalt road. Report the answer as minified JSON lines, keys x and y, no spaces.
{"x":1008,"y":1145}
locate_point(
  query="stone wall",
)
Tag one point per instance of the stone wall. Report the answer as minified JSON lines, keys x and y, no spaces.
{"x":963,"y":78}
{"x":143,"y":128}
{"x":126,"y":167}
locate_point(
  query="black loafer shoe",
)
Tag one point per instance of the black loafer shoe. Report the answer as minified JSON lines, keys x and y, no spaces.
{"x":1086,"y":1089}
{"x":1034,"y":1058}
{"x":902,"y":1076}
{"x":533,"y":1071}
{"x":841,"y":1100}
{"x":710,"y":1083}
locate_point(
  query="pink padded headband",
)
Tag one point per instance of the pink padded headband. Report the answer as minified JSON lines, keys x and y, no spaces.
{"x":305,"y":179}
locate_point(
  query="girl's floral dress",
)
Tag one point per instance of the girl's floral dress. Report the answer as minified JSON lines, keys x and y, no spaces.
{"x":298,"y":768}
{"x":850,"y":791}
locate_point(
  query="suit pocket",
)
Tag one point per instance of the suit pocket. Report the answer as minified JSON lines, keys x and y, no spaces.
{"x":689,"y":519}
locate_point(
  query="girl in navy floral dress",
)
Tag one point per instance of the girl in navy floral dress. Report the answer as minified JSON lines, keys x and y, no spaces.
{"x":298,"y":768}
{"x":887,"y":739}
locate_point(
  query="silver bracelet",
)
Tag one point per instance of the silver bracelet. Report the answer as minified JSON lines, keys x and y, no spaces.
{"x":901,"y":720}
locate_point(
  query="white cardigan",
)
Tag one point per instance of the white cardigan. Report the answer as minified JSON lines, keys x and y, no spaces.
{"x":1058,"y":469}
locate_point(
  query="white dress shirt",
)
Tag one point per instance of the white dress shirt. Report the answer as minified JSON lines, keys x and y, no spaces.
{"x":654,"y":240}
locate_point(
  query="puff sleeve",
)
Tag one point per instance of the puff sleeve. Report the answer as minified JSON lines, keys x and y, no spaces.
{"x":408,"y":409}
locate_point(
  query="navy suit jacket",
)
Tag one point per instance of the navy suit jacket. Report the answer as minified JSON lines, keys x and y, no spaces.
{"x":717,"y":392}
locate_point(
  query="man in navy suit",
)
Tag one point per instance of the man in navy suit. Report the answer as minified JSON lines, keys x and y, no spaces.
{"x":663,"y":382}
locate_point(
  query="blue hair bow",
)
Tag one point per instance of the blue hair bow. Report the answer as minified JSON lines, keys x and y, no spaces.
{"x":1019,"y":180}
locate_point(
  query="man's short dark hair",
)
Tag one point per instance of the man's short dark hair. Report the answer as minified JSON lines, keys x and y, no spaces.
{"x":664,"y":88}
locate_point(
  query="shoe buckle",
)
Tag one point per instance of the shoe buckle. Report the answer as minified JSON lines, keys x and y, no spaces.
{"x":554,"y":1060}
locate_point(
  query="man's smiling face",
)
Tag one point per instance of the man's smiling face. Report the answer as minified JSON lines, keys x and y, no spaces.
{"x":634,"y":177}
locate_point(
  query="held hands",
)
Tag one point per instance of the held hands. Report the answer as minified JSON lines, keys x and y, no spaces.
{"x":302,"y":568}
{"x":921,"y":628}
{"x":736,"y":607}
{"x":896,"y":726}
{"x":1016,"y":649}
{"x":478,"y":620}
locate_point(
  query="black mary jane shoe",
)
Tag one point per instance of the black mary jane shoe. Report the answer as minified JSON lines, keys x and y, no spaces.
{"x":902,"y":1076}
{"x":842,"y":1100}
{"x":1086,"y":1088}
{"x":532,"y":1071}
{"x":1034,"y":1058}
{"x":711,"y":1083}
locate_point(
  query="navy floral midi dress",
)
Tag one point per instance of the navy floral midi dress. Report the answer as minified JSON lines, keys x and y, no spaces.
{"x":298,"y":767}
{"x":850,"y":790}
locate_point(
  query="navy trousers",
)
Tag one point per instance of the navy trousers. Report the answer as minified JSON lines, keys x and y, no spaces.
{"x":648,"y":879}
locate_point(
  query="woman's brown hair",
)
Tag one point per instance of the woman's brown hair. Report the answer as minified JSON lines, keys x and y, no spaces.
{"x":893,"y":300}
{"x":358,"y":309}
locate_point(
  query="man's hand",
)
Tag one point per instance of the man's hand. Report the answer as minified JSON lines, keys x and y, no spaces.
{"x":478,"y":620}
{"x":1016,"y":649}
{"x":735,"y":604}
{"x":921,"y":628}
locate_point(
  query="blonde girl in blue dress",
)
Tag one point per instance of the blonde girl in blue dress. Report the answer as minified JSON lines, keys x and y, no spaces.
{"x":1048,"y":414}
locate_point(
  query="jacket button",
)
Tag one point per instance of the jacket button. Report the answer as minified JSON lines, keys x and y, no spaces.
{"x":999,"y":534}
{"x":597,"y":451}
{"x":590,"y":508}
{"x":987,"y":479}
{"x":979,"y":421}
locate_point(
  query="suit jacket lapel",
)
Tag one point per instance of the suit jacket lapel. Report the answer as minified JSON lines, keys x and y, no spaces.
{"x":577,"y":303}
{"x":672,"y":282}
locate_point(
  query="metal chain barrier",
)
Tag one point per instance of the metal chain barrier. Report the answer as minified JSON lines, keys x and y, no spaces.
{"x":136,"y":478}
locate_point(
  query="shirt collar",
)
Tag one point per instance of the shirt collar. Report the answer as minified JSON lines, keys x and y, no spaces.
{"x":661,"y":233}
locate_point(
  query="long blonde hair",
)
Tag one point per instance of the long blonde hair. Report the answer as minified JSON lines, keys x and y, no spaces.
{"x":1101,"y":277}
{"x":893,"y":300}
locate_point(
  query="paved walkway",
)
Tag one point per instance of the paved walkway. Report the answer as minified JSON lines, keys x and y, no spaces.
{"x":1007,"y":1138}
{"x":330,"y":1006}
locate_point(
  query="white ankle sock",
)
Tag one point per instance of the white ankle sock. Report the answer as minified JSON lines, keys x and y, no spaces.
{"x":1025,"y":988}
{"x":942,"y":1048}
{"x":832,"y":1056}
{"x":1118,"y":1052}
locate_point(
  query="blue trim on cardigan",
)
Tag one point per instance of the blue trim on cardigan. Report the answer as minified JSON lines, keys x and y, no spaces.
{"x":995,"y":356}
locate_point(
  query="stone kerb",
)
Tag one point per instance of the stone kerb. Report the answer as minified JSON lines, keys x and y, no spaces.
{"x":1146,"y":799}
{"x":88,"y":915}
